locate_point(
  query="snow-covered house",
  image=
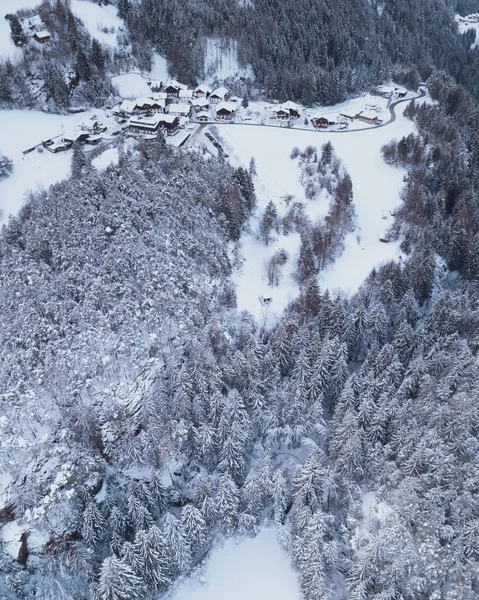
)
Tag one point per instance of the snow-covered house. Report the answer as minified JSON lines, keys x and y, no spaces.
{"x":156,"y":86}
{"x":368,"y":116}
{"x":150,"y":105}
{"x":293,"y":109}
{"x":185,"y":95}
{"x":225,"y":111}
{"x":171,"y":124}
{"x":127,"y":107}
{"x":200,"y":103}
{"x":180,"y":110}
{"x":319,"y":122}
{"x":280,"y":113}
{"x":203,"y":117}
{"x":173,"y":87}
{"x":350,"y":115}
{"x":145,"y":125}
{"x":90,"y":125}
{"x":288,"y":110}
{"x":42,"y":36}
{"x":219,"y":95}
{"x":75,"y":137}
{"x":202,"y":91}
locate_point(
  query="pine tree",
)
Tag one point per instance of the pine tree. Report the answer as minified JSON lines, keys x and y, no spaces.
{"x":195,"y":528}
{"x":96,"y":56}
{"x":82,"y":66}
{"x":178,"y":544}
{"x":16,"y":31}
{"x":118,"y":581}
{"x":78,"y":162}
{"x":227,"y":502}
{"x":93,"y":527}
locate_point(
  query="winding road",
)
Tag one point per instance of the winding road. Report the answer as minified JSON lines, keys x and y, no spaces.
{"x":392,"y":118}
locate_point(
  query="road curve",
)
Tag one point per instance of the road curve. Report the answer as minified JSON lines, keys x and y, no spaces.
{"x":392,"y":118}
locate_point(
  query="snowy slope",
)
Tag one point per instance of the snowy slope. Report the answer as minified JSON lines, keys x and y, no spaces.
{"x":376,"y":189}
{"x":131,"y":85}
{"x":7,"y":47}
{"x":221,"y":59}
{"x":253,"y":569}
{"x":469,"y":22}
{"x":22,"y":129}
{"x":101,"y":22}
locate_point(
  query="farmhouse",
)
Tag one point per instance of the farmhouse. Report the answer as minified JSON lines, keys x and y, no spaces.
{"x":148,"y":125}
{"x":76,"y":137}
{"x":180,"y":110}
{"x":368,"y":116}
{"x":202,"y":91}
{"x":127,"y":107}
{"x":41,"y":36}
{"x":225,"y":111}
{"x":280,"y":113}
{"x":56,"y":146}
{"x":219,"y":95}
{"x":292,"y":108}
{"x":319,"y":122}
{"x":349,"y":114}
{"x":203,"y":117}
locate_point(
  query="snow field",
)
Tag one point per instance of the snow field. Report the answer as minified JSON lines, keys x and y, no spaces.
{"x":131,"y":85}
{"x":105,"y":159}
{"x":23,"y":129}
{"x":252,"y":569}
{"x":376,"y":189}
{"x":101,"y":22}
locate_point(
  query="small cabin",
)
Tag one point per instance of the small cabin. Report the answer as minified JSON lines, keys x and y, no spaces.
{"x":202,"y":91}
{"x":219,"y":95}
{"x":42,"y":36}
{"x":225,"y":111}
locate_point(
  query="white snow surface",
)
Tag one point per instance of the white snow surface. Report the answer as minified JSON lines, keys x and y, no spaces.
{"x":7,"y":47}
{"x":221,"y":59}
{"x":159,"y":70}
{"x":253,"y":569}
{"x":376,"y":189}
{"x":23,"y":129}
{"x":469,"y":22}
{"x":131,"y":85}
{"x":105,"y":159}
{"x":101,"y":22}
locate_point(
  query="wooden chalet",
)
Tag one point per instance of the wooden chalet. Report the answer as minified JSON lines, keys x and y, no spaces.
{"x":203,"y":117}
{"x":76,"y":137}
{"x":170,"y":123}
{"x":281,"y":113}
{"x":185,"y":95}
{"x":200,"y":103}
{"x":150,"y":105}
{"x":225,"y":111}
{"x":320,"y":122}
{"x":173,"y":87}
{"x":202,"y":91}
{"x":288,"y":110}
{"x":219,"y":95}
{"x":42,"y":36}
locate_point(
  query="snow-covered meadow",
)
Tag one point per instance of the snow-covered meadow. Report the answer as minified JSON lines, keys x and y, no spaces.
{"x":254,"y":568}
{"x":101,"y":22}
{"x":376,"y":188}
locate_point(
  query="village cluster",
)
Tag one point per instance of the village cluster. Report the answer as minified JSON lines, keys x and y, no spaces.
{"x":172,"y":106}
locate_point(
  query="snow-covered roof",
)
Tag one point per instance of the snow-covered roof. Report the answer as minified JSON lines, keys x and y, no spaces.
{"x":203,"y":114}
{"x":317,"y":117}
{"x":203,"y":88}
{"x":159,"y":95}
{"x":152,"y":122}
{"x":220,"y":92}
{"x":368,"y":114}
{"x":186,"y":94}
{"x":43,"y":33}
{"x":226,"y":106}
{"x":87,"y":123}
{"x":290,"y":105}
{"x":167,"y":118}
{"x":128,"y":106}
{"x":176,"y":84}
{"x":200,"y":102}
{"x":181,"y":109}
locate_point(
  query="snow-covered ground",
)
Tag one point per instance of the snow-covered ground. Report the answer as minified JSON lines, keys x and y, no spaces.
{"x":131,"y":85}
{"x":221,"y":59}
{"x":23,"y":129}
{"x":101,"y":22}
{"x":159,"y":70}
{"x":469,"y":22}
{"x":105,"y":159}
{"x":252,"y":569}
{"x":376,"y":188}
{"x":7,"y":47}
